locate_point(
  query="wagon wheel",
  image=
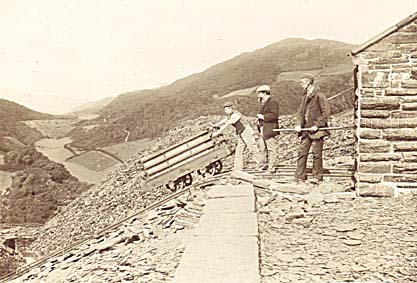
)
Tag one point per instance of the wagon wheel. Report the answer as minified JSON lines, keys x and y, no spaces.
{"x":171,"y":186}
{"x":179,"y":184}
{"x":218,"y":166}
{"x":214,"y":168}
{"x":187,"y":179}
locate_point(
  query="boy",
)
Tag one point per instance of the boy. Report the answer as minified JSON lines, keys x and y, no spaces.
{"x":245,"y":135}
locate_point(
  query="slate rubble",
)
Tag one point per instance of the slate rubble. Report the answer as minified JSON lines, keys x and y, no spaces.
{"x":145,"y":249}
{"x":343,"y":240}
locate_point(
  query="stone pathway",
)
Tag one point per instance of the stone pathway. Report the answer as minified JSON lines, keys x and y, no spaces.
{"x":224,"y":246}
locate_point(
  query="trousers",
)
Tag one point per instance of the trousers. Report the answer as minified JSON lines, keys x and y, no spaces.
{"x":268,"y":149}
{"x":317,"y":151}
{"x":246,"y":140}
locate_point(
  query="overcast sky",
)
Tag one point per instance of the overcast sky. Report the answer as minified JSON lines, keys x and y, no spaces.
{"x":55,"y":55}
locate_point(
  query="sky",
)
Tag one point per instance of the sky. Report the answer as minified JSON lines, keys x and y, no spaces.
{"x":57,"y":55}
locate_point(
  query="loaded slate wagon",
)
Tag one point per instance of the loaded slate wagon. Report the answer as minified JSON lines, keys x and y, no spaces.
{"x":175,"y":167}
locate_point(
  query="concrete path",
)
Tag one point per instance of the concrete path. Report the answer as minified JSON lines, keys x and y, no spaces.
{"x":224,"y":245}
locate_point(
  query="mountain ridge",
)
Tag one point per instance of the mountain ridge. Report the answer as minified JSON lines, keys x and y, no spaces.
{"x":148,"y":113}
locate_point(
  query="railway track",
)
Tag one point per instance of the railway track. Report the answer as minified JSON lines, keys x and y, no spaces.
{"x":27,"y":268}
{"x":282,"y":171}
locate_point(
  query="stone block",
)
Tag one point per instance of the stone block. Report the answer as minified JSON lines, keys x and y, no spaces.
{"x":368,"y":146}
{"x":374,"y":167}
{"x":409,"y":99}
{"x":367,"y":93}
{"x":403,"y":114}
{"x":379,"y":67}
{"x":379,"y":157}
{"x":405,"y":168}
{"x":405,"y":146}
{"x":240,"y":175}
{"x":229,"y":224}
{"x":390,"y":60}
{"x":262,"y":183}
{"x":222,"y":191}
{"x":380,"y":103}
{"x":230,"y":205}
{"x":375,"y":190}
{"x":388,"y":123}
{"x":400,"y":92}
{"x":381,"y":46}
{"x":401,"y":37}
{"x":370,"y":133}
{"x":374,"y":79}
{"x":409,"y":156}
{"x":290,"y":188}
{"x":400,"y":134}
{"x":400,"y":178}
{"x":368,"y":178}
{"x":219,"y":259}
{"x":409,"y":106}
{"x":409,"y":28}
{"x":375,"y":113}
{"x":409,"y":84}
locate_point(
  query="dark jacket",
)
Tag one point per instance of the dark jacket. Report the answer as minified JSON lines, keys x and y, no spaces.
{"x":314,"y":111}
{"x":270,"y":111}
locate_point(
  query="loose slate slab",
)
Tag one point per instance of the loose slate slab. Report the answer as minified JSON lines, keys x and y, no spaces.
{"x":290,"y":188}
{"x":230,"y":224}
{"x":219,"y":259}
{"x":352,"y":242}
{"x":230,"y":191}
{"x":346,"y":227}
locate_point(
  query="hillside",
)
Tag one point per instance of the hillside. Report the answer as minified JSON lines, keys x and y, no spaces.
{"x":39,"y":187}
{"x":92,"y":107}
{"x":13,"y":132}
{"x":148,"y":113}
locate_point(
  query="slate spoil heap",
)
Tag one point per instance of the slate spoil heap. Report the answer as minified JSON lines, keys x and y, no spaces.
{"x":321,"y":237}
{"x":10,"y":259}
{"x":119,"y":195}
{"x":145,"y":249}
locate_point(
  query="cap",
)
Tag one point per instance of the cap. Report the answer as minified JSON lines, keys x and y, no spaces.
{"x":264,"y":88}
{"x":309,"y":77}
{"x":228,"y":104}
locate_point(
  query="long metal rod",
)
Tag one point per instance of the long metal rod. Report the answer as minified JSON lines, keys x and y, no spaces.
{"x":309,"y":129}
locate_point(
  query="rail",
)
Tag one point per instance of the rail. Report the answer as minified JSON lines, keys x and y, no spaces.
{"x":25,"y":269}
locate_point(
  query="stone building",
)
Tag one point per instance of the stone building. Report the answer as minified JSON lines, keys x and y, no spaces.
{"x":386,"y":110}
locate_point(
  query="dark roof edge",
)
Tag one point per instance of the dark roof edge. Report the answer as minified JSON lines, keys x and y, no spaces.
{"x":384,"y":34}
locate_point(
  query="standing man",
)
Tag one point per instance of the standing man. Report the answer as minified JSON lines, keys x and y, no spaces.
{"x":245,"y":133}
{"x":267,"y":122}
{"x":313,"y":113}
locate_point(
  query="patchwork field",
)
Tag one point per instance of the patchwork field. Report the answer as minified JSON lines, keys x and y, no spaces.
{"x":52,"y":128}
{"x":128,"y":150}
{"x":54,"y":150}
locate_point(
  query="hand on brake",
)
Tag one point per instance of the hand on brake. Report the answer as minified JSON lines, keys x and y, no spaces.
{"x":297,"y":128}
{"x":314,"y":129}
{"x":260,"y":116}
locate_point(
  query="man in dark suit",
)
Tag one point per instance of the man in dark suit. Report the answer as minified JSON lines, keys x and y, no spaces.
{"x":313,"y":114}
{"x":267,"y":122}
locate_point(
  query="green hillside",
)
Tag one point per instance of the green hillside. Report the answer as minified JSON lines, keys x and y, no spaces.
{"x":147,"y":113}
{"x":13,"y":133}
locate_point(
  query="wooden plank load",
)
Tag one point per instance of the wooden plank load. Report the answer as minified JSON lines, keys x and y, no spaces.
{"x":175,"y":166}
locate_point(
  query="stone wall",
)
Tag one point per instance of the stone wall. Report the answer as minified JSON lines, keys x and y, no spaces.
{"x":386,"y":114}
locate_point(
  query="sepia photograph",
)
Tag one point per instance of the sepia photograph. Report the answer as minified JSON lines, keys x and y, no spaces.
{"x":270,"y":141}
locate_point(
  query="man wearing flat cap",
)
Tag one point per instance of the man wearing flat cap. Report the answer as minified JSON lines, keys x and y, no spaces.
{"x":267,"y":122}
{"x":245,"y":135}
{"x":313,"y":114}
